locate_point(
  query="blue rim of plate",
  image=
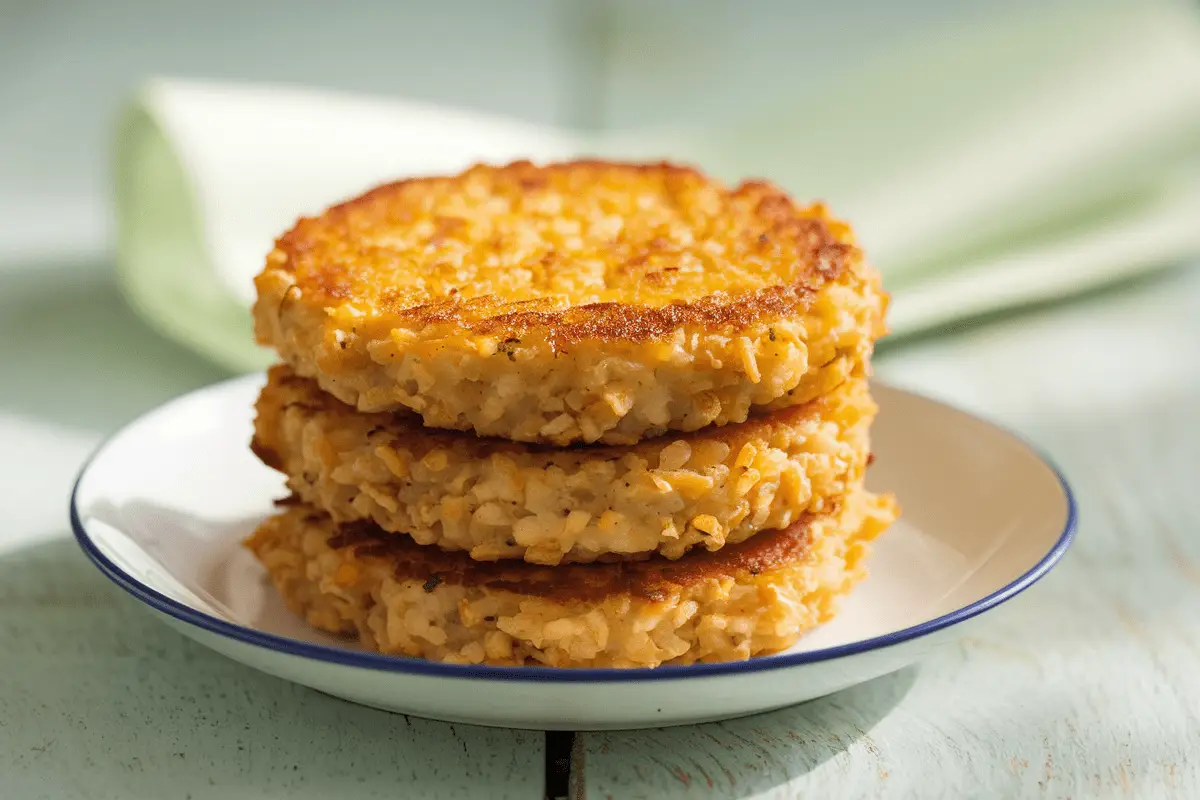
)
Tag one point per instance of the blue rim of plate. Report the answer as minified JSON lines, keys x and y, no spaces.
{"x":378,"y":661}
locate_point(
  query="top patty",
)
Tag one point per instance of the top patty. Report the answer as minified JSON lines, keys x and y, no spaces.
{"x":581,"y":301}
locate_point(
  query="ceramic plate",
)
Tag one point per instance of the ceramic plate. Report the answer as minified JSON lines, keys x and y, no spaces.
{"x":162,"y":506}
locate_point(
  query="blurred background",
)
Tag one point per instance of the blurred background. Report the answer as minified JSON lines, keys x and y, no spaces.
{"x":67,"y":65}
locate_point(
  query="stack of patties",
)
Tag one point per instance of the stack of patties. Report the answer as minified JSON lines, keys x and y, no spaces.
{"x":585,"y":414}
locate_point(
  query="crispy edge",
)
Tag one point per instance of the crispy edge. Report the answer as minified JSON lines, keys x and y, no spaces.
{"x":285,"y":389}
{"x":828,"y":254}
{"x":654,"y":578}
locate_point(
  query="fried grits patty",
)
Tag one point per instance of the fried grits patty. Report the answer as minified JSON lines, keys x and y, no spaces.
{"x":403,"y":598}
{"x":576,"y":302}
{"x":499,"y":499}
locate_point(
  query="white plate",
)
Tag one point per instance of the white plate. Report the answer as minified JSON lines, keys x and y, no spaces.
{"x":162,"y":506}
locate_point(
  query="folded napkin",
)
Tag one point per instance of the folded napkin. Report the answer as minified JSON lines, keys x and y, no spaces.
{"x":1013,"y":161}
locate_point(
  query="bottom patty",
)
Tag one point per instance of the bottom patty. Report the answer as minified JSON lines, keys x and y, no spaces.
{"x":398,"y":597}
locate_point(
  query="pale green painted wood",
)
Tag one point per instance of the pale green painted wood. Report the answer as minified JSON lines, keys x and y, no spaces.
{"x":1088,"y":685}
{"x":98,"y":699}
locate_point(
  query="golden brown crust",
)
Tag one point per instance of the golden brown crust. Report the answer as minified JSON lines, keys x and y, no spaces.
{"x":654,"y":578}
{"x":577,"y":250}
{"x":405,"y":429}
{"x":762,"y":604}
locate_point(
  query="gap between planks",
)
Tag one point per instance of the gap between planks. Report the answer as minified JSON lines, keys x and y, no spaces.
{"x":559,"y":745}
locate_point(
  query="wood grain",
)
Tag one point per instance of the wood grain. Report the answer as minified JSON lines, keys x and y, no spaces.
{"x":98,"y":699}
{"x":1086,"y":686}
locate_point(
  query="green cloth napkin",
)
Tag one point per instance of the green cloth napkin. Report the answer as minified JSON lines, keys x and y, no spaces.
{"x":1013,"y":161}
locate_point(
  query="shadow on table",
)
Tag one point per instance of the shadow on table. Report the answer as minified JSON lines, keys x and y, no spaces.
{"x":742,"y":757}
{"x":99,"y":699}
{"x":1130,"y":582}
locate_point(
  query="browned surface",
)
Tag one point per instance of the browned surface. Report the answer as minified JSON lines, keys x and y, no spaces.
{"x":286,"y":389}
{"x":653,"y":578}
{"x":577,"y":250}
{"x":266,"y":454}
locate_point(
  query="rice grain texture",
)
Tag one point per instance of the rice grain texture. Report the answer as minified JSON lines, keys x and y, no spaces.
{"x":497,"y":499}
{"x":406,"y":599}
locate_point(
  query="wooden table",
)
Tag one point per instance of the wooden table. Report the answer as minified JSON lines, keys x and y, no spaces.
{"x":1087,"y":686}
